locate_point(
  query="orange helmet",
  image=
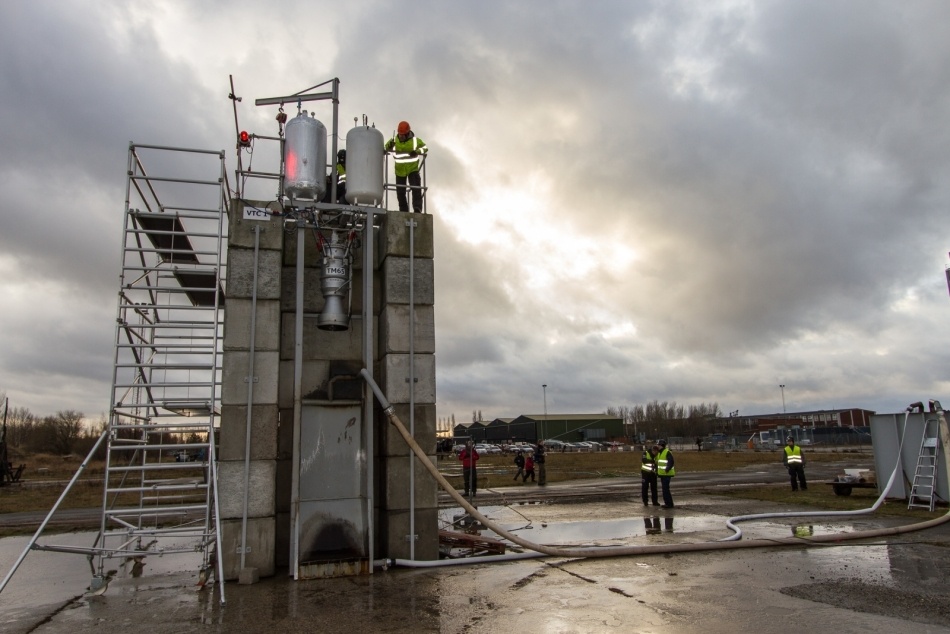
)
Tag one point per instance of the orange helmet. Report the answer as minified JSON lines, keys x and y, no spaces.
{"x":403,"y":127}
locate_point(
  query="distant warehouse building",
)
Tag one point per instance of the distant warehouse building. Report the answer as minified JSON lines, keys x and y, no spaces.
{"x":533,"y":427}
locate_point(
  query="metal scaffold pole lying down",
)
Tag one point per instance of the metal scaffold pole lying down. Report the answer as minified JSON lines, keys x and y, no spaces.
{"x":39,"y":531}
{"x":622,"y":551}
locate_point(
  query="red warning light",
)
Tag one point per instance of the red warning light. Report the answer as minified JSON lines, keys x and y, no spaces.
{"x":290,"y":165}
{"x":244,"y":139}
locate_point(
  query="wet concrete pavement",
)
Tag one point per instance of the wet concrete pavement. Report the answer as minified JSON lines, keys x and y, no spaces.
{"x":898,"y":584}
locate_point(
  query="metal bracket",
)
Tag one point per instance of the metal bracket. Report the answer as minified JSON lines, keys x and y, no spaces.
{"x":412,"y":538}
{"x":412,"y":223}
{"x":245,"y":550}
{"x":415,"y":379}
{"x":248,"y":379}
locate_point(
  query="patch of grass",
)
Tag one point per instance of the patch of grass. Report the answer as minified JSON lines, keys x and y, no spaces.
{"x":20,"y":499}
{"x":493,"y":471}
{"x":821,"y":496}
{"x":497,"y":471}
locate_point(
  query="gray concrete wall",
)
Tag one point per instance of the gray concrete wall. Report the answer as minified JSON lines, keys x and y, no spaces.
{"x":398,"y":263}
{"x":325,"y":355}
{"x":264,"y":418}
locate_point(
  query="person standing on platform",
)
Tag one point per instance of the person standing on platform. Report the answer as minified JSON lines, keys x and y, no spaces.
{"x":408,"y":150}
{"x":341,"y":176}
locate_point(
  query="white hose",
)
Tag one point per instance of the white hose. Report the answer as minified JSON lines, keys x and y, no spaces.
{"x":621,"y":551}
{"x":731,"y":522}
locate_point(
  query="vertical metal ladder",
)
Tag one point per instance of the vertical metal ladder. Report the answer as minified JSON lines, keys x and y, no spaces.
{"x":923,"y":489}
{"x":160,"y":493}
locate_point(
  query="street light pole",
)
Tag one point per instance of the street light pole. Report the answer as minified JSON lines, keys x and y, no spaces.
{"x":783,"y":397}
{"x":544,"y":388}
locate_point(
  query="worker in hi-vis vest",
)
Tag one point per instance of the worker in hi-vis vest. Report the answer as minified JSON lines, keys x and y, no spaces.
{"x":408,"y":150}
{"x":794,"y":461}
{"x":666,"y":470}
{"x":648,"y":475}
{"x":341,"y":176}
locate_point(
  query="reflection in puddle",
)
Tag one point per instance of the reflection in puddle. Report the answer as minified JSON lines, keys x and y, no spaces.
{"x":592,"y":532}
{"x":652,"y":525}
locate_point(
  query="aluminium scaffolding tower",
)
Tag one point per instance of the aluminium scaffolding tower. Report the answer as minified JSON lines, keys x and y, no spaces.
{"x":160,"y":493}
{"x":160,"y":488}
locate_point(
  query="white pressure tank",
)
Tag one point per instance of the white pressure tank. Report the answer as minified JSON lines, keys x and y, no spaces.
{"x":364,"y":166}
{"x":305,"y":158}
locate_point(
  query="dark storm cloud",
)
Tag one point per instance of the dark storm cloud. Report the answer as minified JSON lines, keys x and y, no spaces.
{"x":775,"y":168}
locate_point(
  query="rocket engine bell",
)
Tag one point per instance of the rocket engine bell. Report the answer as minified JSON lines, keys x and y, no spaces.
{"x":336,"y":283}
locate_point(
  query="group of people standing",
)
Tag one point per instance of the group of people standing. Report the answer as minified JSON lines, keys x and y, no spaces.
{"x":657,"y":463}
{"x":526,"y":466}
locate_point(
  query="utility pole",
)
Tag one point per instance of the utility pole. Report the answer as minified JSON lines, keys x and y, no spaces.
{"x":544,"y":388}
{"x":782,"y":386}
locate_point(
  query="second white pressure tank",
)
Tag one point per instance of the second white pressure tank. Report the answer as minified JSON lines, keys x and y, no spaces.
{"x":305,"y":158}
{"x":364,"y":166}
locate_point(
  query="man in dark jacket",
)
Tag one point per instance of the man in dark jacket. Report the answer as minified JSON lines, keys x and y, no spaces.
{"x":519,"y":462}
{"x":648,"y":475}
{"x":539,"y":460}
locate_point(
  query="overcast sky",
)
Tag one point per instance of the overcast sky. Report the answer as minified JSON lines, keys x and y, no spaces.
{"x":682,"y":201}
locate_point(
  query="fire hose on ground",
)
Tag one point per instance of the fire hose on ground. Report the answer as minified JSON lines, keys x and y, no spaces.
{"x":625,"y":551}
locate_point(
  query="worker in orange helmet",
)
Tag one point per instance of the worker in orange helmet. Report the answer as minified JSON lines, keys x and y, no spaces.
{"x":408,"y":152}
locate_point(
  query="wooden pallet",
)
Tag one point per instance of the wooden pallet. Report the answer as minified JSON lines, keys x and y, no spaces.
{"x":454,"y":539}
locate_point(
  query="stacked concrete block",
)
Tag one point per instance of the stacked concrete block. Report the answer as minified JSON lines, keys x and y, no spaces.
{"x":331,"y":362}
{"x":237,"y":376}
{"x":406,"y":253}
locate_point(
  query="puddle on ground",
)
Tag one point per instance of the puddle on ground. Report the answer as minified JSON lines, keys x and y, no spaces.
{"x":54,"y":578}
{"x":596,"y":532}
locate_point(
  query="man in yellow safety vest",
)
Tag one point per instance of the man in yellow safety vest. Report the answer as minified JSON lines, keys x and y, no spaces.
{"x":666,"y":470}
{"x":408,"y":150}
{"x":648,"y":475}
{"x":794,"y":461}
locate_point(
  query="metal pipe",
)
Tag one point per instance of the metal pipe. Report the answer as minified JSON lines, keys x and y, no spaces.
{"x":619,"y":551}
{"x":298,"y":397}
{"x":465,"y":561}
{"x":412,"y":389}
{"x":250,"y":396}
{"x":336,"y":115}
{"x":368,"y":363}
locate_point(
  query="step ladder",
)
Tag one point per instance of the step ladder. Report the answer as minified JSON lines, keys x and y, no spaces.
{"x":160,"y":493}
{"x":923,"y":490}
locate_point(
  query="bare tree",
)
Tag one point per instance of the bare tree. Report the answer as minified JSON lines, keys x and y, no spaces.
{"x":21,"y":427}
{"x":62,"y":431}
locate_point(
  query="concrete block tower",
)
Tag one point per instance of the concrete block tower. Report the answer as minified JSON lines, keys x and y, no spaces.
{"x":324,"y":485}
